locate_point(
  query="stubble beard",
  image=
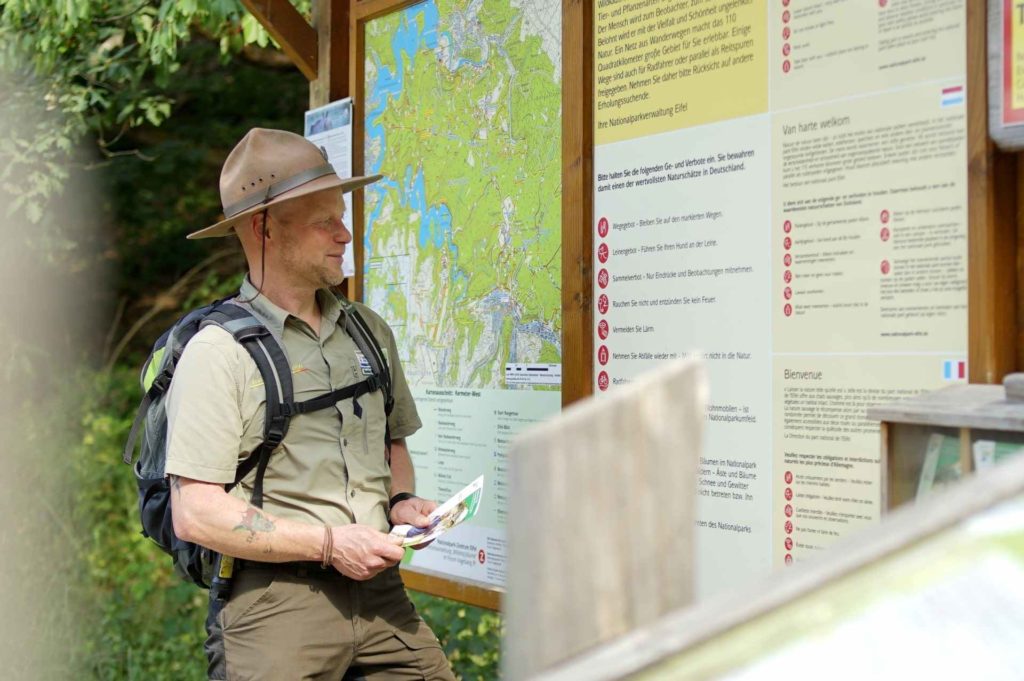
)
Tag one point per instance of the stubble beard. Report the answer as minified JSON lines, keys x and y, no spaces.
{"x":317,"y":274}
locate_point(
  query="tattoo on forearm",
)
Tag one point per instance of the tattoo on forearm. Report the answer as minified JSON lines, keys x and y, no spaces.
{"x":254,"y":521}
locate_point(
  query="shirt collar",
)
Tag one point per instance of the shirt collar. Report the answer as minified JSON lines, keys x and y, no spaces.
{"x":275,"y":317}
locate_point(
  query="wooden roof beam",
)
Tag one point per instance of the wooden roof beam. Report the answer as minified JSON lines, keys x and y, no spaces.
{"x":291,"y":31}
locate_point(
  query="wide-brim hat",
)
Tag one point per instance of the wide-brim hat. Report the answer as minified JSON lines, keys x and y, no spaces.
{"x":270,"y":167}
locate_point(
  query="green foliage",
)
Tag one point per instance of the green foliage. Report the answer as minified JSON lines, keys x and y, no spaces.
{"x":471,"y":637}
{"x":145,"y":622}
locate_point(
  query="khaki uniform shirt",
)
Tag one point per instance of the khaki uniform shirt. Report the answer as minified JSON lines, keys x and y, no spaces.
{"x":331,"y":467}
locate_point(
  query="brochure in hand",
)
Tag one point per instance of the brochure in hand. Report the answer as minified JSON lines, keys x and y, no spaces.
{"x":456,"y":510}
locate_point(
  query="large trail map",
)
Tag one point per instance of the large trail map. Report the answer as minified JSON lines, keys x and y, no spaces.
{"x":463,"y":118}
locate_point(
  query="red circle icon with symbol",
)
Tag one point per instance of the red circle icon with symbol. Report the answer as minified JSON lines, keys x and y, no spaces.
{"x":883,"y":3}
{"x":787,"y":260}
{"x":789,"y":494}
{"x":602,"y":278}
{"x":785,"y":50}
{"x":787,"y":243}
{"x":785,"y":3}
{"x":602,"y":355}
{"x":602,"y":329}
{"x":885,"y":267}
{"x":789,"y":511}
{"x":786,"y":33}
{"x":787,"y":276}
{"x":602,"y":227}
{"x":788,"y":477}
{"x":884,"y":217}
{"x":602,"y":304}
{"x":788,"y":527}
{"x":602,"y":380}
{"x":786,"y":66}
{"x":788,"y":310}
{"x":785,"y":17}
{"x":884,"y":234}
{"x":787,"y":293}
{"x":789,"y":543}
{"x":481,"y":556}
{"x":789,"y":559}
{"x":602,"y":252}
{"x":787,"y":226}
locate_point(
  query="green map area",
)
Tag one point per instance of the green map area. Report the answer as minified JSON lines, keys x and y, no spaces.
{"x":463,"y":234}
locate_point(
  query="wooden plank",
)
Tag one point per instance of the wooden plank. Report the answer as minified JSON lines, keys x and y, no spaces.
{"x":330,"y":20}
{"x":992,"y":238}
{"x":367,"y":10}
{"x":1020,"y":263}
{"x":886,"y":468}
{"x":601,"y":524}
{"x":577,"y":200}
{"x":290,"y":29}
{"x":428,"y":582}
{"x":966,"y":460}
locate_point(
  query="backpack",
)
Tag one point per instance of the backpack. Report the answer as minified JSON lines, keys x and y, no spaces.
{"x":194,"y":563}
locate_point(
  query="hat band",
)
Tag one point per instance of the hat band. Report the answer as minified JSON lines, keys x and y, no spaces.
{"x":275,"y":190}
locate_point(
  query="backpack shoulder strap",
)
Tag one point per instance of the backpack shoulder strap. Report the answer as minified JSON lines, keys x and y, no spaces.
{"x":275,"y":370}
{"x":367,"y":343}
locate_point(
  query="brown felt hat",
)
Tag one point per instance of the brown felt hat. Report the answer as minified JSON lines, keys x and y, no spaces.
{"x":269,"y":167}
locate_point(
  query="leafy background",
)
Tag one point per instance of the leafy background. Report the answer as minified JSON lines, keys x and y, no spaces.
{"x":125,"y":111}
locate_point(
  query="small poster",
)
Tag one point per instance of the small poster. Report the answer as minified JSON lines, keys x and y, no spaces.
{"x":330,"y":128}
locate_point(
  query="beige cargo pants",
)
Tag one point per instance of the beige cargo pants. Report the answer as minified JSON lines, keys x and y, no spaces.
{"x":288,"y":623}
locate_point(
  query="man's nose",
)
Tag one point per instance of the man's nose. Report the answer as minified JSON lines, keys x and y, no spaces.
{"x":342,"y":234}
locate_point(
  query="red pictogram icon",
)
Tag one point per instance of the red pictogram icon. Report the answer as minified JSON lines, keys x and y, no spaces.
{"x":602,"y":227}
{"x":602,"y":278}
{"x":788,"y":477}
{"x":787,"y":310}
{"x":785,"y":17}
{"x":789,"y":494}
{"x":786,"y":33}
{"x":787,"y":226}
{"x":787,"y":260}
{"x":602,"y":329}
{"x":789,"y":559}
{"x":787,"y":276}
{"x":885,"y":267}
{"x":884,"y":217}
{"x":787,"y":293}
{"x":602,"y":303}
{"x":789,"y":527}
{"x":602,"y":252}
{"x":785,"y":49}
{"x":787,"y":243}
{"x":602,"y":355}
{"x":786,"y":66}
{"x":789,"y":511}
{"x":602,"y":380}
{"x":885,"y":234}
{"x":481,"y":556}
{"x":789,"y":543}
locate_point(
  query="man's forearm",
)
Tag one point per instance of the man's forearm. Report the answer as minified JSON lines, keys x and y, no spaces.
{"x":207,"y":515}
{"x":403,"y":478}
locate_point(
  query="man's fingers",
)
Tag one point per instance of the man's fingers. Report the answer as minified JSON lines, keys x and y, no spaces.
{"x":391,"y":552}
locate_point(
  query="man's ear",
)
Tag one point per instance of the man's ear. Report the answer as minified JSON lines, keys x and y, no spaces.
{"x":257,"y":223}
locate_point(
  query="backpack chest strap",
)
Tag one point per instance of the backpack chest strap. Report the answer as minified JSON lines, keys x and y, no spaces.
{"x":354,"y":391}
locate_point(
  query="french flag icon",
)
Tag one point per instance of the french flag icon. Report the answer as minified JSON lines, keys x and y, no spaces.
{"x":954,"y":369}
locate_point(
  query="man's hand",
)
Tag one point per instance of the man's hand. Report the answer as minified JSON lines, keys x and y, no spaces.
{"x":413,"y":511}
{"x":361,"y":552}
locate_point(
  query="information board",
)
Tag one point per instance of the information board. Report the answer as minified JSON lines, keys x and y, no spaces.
{"x":462,"y":240}
{"x":781,"y":188}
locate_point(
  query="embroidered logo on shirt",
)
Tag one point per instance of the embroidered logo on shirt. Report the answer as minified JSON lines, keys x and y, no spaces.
{"x":364,"y":364}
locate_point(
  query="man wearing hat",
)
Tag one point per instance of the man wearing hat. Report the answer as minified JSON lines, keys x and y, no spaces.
{"x":317,"y":589}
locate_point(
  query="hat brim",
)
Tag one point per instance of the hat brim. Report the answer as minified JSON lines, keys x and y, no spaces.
{"x":227,"y":226}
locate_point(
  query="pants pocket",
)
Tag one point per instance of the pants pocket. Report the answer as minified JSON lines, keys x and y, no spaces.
{"x":252,"y":591}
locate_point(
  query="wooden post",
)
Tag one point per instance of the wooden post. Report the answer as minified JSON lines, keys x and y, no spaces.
{"x":290,"y":30}
{"x":992,"y":220}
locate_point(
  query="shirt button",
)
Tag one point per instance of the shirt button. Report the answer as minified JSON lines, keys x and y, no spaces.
{"x":352,"y":494}
{"x":344,"y":441}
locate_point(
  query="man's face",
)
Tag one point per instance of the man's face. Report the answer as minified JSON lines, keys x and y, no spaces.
{"x":313,"y":238}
